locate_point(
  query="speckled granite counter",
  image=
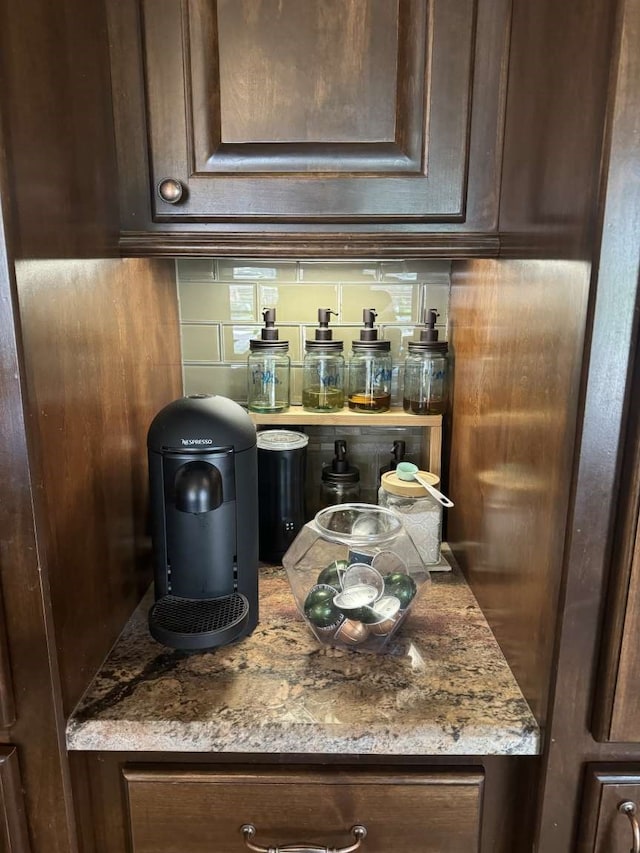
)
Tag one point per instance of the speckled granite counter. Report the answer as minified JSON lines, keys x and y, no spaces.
{"x":444,"y":688}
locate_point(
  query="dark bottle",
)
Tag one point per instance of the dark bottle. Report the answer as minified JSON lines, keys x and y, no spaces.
{"x":370,"y":369}
{"x":323,"y":371}
{"x":397,"y":455}
{"x":425,"y":372}
{"x":340,"y":480}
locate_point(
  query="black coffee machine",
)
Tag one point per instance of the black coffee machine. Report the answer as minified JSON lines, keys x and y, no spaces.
{"x":204,"y":522}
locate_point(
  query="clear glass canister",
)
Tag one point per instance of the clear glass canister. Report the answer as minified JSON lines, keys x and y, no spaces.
{"x":268,"y":372}
{"x":370,"y":372}
{"x":323,"y":377}
{"x":421,"y":514}
{"x":425,"y":378}
{"x":355,"y":575}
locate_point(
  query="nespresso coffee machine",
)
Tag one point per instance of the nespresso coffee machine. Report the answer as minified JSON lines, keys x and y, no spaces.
{"x":204,"y":522}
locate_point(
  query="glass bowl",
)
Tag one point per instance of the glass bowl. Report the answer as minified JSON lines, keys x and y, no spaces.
{"x":355,"y":574}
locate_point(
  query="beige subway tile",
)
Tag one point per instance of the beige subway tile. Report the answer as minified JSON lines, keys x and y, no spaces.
{"x":226,"y":380}
{"x":394,"y":303}
{"x":297,"y":303}
{"x":236,"y":346}
{"x":196,"y":269}
{"x":436,"y":296}
{"x":338,"y":271}
{"x":200,"y":343}
{"x":399,"y":337}
{"x":414,"y":270}
{"x":296,"y":385}
{"x":217,"y":302}
{"x":241,"y":269}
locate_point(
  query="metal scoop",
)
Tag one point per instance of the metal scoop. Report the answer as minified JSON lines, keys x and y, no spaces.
{"x":409,"y":471}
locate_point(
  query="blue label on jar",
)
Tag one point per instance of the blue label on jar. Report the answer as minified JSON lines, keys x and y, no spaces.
{"x":264,"y":377}
{"x":382,"y":375}
{"x":328,"y":380}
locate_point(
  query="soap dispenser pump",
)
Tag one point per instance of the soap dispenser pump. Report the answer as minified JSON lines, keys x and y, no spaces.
{"x":340,"y":479}
{"x":268,"y":369}
{"x":323,"y":371}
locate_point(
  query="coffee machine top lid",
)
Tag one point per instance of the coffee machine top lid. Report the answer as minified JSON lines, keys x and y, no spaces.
{"x":201,"y":422}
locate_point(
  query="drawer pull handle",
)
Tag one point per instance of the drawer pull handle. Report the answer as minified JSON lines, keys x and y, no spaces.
{"x":249,"y":831}
{"x":629,"y":808}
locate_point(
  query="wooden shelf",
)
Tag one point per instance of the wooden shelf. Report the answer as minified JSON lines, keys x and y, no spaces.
{"x":395,"y":417}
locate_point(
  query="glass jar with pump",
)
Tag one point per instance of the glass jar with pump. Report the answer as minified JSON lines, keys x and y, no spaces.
{"x":268,"y":369}
{"x":340,"y":480}
{"x":370,"y":369}
{"x":323,"y":371}
{"x":425,"y":372}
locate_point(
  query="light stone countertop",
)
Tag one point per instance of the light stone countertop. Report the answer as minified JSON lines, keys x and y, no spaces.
{"x":442,"y":688}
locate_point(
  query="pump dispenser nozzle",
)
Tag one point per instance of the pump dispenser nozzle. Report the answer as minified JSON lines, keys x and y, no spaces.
{"x":430,"y":334}
{"x":368,"y":318}
{"x":269,"y":333}
{"x":323,"y":332}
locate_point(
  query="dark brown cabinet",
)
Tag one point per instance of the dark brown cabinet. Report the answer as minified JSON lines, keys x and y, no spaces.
{"x":611,"y":810}
{"x":13,"y":825}
{"x":203,"y":809}
{"x":346,"y":111}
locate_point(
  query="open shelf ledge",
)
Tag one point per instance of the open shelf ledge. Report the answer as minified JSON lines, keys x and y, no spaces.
{"x":396,"y":417}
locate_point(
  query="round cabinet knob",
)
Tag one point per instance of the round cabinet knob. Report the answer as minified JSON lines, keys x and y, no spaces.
{"x":170,"y":190}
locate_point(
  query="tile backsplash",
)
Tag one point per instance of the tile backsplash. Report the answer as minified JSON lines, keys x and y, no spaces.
{"x":221,"y":303}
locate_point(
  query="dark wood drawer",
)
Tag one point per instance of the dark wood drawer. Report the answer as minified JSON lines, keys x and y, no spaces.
{"x":202,"y":811}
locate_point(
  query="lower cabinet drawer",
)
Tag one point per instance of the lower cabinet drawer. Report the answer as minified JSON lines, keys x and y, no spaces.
{"x":611,"y":809}
{"x":203,"y":811}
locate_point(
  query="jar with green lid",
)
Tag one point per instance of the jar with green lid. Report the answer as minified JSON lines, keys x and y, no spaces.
{"x":323,"y":370}
{"x":421,"y":514}
{"x":268,"y":369}
{"x":425,"y":372}
{"x":370,"y":369}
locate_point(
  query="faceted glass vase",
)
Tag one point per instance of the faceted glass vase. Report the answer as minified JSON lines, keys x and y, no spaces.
{"x":355,"y":574}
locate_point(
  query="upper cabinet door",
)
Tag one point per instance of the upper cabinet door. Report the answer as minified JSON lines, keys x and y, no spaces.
{"x":313,"y":111}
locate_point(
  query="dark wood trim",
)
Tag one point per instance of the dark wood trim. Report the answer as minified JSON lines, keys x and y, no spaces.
{"x":13,"y":824}
{"x":614,"y":312}
{"x":7,"y":702}
{"x":625,"y":545}
{"x":311,"y":245}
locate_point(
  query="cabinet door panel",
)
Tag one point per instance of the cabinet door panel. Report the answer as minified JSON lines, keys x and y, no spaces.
{"x":280,"y":110}
{"x":201,"y":811}
{"x":605,"y":828}
{"x":13,"y":825}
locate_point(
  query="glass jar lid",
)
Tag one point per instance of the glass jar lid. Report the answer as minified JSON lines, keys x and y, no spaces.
{"x":440,"y":347}
{"x":281,"y":439}
{"x":372,"y":346}
{"x":333,"y":346}
{"x":391,"y":483}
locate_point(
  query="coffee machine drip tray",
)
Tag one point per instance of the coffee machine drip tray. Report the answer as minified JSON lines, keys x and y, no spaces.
{"x":193,"y":623}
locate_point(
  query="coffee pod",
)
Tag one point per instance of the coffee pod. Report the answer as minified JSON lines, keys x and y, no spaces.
{"x":319,"y":607}
{"x":352,"y":632}
{"x":386,"y":610}
{"x":360,"y":574}
{"x":401,"y":586}
{"x":332,"y":574}
{"x":352,"y":601}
